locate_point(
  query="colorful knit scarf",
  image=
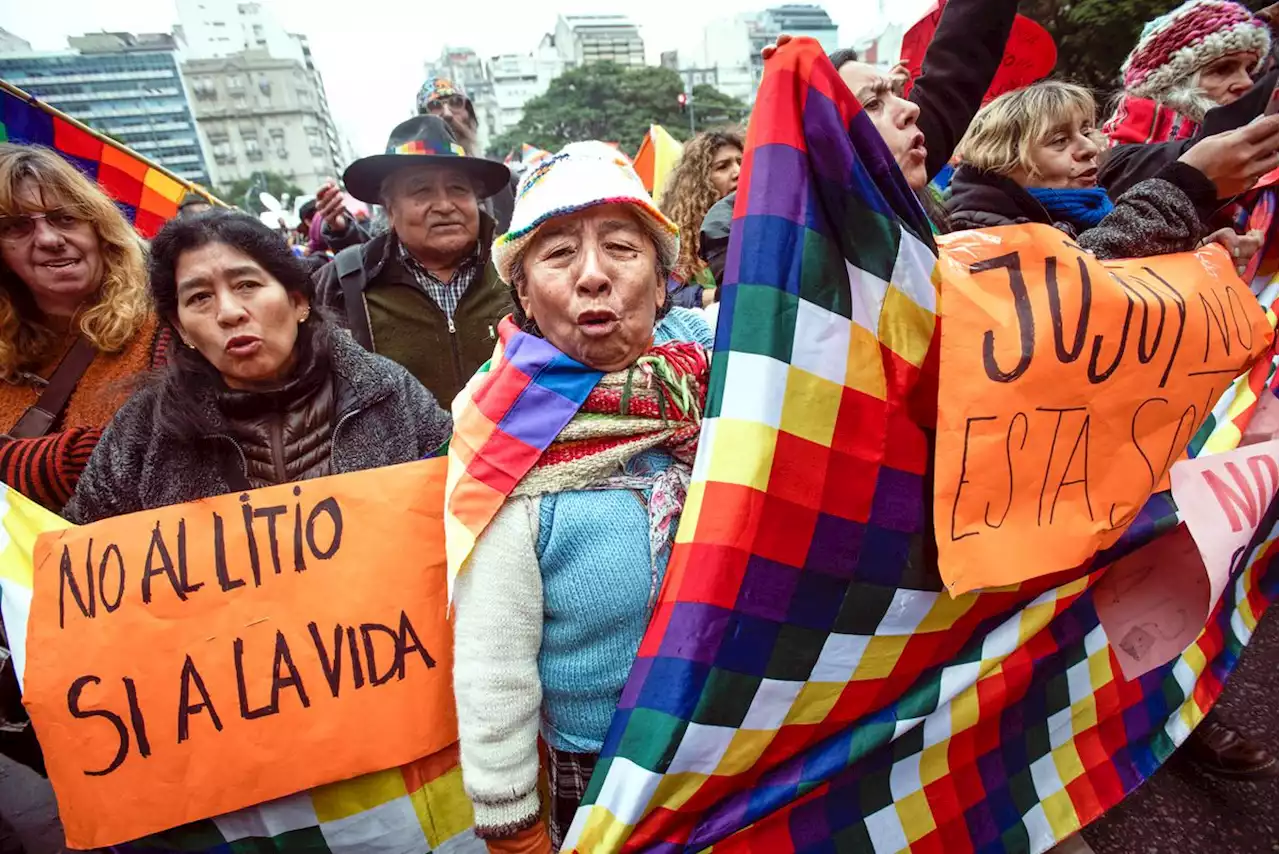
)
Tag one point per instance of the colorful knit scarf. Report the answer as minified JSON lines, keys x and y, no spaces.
{"x":534,"y":421}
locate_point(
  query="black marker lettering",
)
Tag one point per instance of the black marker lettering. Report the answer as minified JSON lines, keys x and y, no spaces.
{"x":293,"y":680}
{"x":182,"y":559}
{"x":397,"y":660}
{"x":111,"y":549}
{"x":122,"y":732}
{"x":1181,"y":305}
{"x":1026,"y":319}
{"x":67,"y":578}
{"x":1219,"y":319}
{"x":254,"y":566}
{"x":299,"y":558}
{"x":1066,"y":356}
{"x":406,"y":634}
{"x":135,"y":715}
{"x":330,"y":507}
{"x":1235,"y":318}
{"x":1094,"y":376}
{"x":1008,"y":456}
{"x":158,"y":547}
{"x":964,"y":465}
{"x":357,"y":669}
{"x":1084,"y":477}
{"x":245,"y":712}
{"x":225,"y":581}
{"x":191,"y":676}
{"x":270,"y":514}
{"x":332,"y":667}
{"x":1048,"y":463}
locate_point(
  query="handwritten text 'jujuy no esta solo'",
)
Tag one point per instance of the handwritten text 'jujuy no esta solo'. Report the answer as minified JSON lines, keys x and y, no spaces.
{"x":1069,"y":389}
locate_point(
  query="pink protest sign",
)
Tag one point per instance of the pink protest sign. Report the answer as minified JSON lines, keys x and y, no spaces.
{"x":1223,"y":499}
{"x":1153,"y":603}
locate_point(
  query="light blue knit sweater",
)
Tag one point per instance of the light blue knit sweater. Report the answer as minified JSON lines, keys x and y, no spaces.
{"x":597,"y":577}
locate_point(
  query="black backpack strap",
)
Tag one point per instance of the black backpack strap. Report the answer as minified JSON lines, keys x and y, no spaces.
{"x":351,"y":278}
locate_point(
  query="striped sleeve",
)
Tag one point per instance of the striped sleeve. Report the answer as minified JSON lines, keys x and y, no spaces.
{"x":46,"y":469}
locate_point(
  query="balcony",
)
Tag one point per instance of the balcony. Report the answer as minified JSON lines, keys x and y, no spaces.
{"x":104,"y":77}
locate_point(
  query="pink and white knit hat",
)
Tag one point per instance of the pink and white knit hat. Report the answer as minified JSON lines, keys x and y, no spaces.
{"x":1176,"y":45}
{"x":580,"y":176}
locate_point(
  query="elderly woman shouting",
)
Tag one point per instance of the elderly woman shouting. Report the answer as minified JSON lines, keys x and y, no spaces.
{"x":569,"y":463}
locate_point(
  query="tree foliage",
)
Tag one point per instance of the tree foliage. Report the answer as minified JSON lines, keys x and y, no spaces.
{"x":616,"y":104}
{"x":1095,"y":36}
{"x":273,"y":182}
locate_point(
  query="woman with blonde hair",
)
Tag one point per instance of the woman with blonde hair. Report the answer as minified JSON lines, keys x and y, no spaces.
{"x":1033,"y":155}
{"x":75,"y":321}
{"x":707,"y":172}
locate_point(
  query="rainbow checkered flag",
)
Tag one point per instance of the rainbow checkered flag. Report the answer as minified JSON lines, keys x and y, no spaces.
{"x":806,"y":684}
{"x":146,"y":194}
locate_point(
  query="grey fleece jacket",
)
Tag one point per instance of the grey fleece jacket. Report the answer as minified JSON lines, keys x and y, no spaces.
{"x":1159,"y":216}
{"x":382,"y":416}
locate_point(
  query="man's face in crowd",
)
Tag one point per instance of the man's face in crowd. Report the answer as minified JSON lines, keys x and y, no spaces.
{"x":434,"y":212}
{"x":893,"y":116}
{"x":453,"y":109}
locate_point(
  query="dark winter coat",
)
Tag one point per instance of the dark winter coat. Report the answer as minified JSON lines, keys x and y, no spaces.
{"x":1128,"y":165}
{"x":382,"y":416}
{"x":958,"y":67}
{"x":285,"y":434}
{"x":1158,"y":216}
{"x":407,"y":325}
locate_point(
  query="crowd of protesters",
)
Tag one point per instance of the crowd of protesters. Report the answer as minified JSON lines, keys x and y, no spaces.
{"x":217,"y":359}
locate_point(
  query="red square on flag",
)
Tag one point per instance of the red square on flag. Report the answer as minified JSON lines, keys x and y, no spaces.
{"x":148,"y":224}
{"x":119,"y":185}
{"x":70,"y":139}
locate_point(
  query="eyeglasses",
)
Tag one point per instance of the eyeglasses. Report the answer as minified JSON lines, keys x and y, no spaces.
{"x":21,"y":227}
{"x":455,"y":103}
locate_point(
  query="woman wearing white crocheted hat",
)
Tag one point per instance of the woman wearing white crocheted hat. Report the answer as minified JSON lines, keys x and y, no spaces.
{"x":1199,"y":56}
{"x":598,"y":388}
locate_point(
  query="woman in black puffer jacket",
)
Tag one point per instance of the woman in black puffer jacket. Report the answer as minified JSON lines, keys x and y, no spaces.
{"x":265,"y":391}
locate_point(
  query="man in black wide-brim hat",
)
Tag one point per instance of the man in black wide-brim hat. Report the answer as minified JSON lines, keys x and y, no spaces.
{"x":424,"y":293}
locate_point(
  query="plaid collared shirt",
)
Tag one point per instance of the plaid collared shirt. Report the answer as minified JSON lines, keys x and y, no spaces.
{"x":448,"y":294}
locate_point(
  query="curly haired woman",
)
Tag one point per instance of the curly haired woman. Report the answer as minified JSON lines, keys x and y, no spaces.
{"x":706,"y":173}
{"x":73,"y":293}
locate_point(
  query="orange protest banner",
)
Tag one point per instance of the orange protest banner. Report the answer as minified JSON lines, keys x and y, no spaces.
{"x":196,"y":659}
{"x":1068,"y":389}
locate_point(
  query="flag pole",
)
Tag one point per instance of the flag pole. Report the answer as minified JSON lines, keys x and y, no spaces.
{"x":106,"y":140}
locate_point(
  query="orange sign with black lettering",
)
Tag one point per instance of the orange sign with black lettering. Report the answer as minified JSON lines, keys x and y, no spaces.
{"x":1069,"y":388}
{"x":197,"y":659}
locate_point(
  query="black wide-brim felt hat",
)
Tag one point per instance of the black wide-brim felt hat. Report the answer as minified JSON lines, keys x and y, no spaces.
{"x":425,"y":141}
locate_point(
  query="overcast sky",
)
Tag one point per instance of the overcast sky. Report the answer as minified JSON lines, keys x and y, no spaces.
{"x":371,"y":52}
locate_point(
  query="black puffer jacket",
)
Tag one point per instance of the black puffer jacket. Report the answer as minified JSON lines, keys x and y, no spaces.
{"x":286,"y":433}
{"x":381,"y":416}
{"x":1159,"y":216}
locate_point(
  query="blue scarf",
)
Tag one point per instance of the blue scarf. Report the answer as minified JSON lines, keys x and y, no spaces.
{"x":1083,"y":209}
